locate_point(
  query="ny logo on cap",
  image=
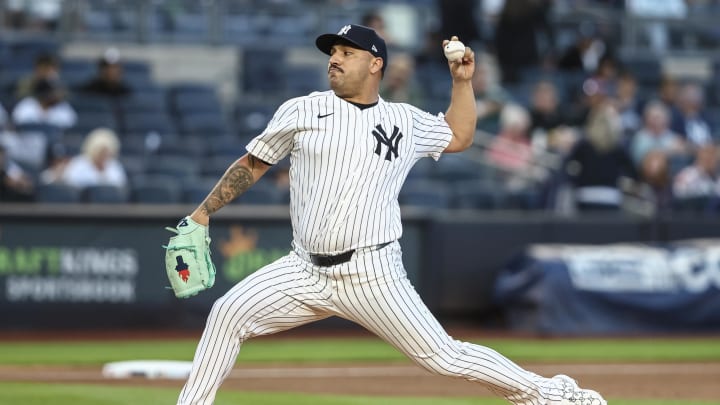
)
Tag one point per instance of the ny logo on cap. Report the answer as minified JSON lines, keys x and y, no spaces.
{"x":374,"y":49}
{"x":344,"y":30}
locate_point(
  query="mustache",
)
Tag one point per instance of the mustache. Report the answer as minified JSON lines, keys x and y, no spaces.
{"x":335,"y":66}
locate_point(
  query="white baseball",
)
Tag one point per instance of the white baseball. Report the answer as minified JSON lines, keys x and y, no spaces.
{"x":454,"y":50}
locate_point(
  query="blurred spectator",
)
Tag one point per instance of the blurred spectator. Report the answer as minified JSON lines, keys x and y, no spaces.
{"x":545,"y":110}
{"x":46,"y":68}
{"x":585,"y":54}
{"x":510,"y":150}
{"x":656,"y":134}
{"x":398,"y":84}
{"x":598,"y":162}
{"x":517,"y":45}
{"x":628,"y":103}
{"x":655,"y":174}
{"x":690,"y":121}
{"x":607,"y":73}
{"x":46,"y":106}
{"x":34,"y":15}
{"x":430,"y":52}
{"x":701,"y":178}
{"x":109,"y":78}
{"x":490,"y":96}
{"x":375,"y":20}
{"x":97,"y":164}
{"x":668,"y":92}
{"x":15,"y":184}
{"x":457,"y":17}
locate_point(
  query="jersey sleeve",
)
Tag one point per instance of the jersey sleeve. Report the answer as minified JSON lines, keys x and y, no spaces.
{"x":275,"y":142}
{"x":431,"y":134}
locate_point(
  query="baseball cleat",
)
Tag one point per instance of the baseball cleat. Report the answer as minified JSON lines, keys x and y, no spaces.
{"x":574,"y":395}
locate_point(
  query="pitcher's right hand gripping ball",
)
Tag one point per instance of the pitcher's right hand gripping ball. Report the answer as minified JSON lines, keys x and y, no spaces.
{"x":188,"y":263}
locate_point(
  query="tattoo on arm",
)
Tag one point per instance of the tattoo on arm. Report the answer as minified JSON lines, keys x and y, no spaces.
{"x":236,"y":180}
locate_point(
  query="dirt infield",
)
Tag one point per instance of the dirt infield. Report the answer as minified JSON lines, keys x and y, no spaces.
{"x":689,"y":381}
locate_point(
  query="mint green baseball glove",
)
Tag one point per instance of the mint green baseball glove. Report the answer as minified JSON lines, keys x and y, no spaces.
{"x":187,"y":259}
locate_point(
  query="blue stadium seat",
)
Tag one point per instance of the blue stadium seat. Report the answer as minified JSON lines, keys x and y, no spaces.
{"x":425,"y":193}
{"x":88,"y":121}
{"x":524,"y":200}
{"x":263,"y":70}
{"x":178,"y":167}
{"x":27,"y":49}
{"x":194,"y":147}
{"x":252,"y":118}
{"x":647,"y":70}
{"x":133,"y":164}
{"x":147,"y":99}
{"x":105,"y":195}
{"x":57,"y":193}
{"x":693,"y":205}
{"x":474,"y":194}
{"x":155,"y":190}
{"x":434,"y":80}
{"x":203,"y":123}
{"x":229,"y":146}
{"x":196,"y":103}
{"x":302,"y":80}
{"x":216,"y":165}
{"x":91,"y":104}
{"x":451,"y":168}
{"x":423,"y":169}
{"x":261,"y":193}
{"x":195,"y":191}
{"x":144,"y":122}
{"x":136,"y":66}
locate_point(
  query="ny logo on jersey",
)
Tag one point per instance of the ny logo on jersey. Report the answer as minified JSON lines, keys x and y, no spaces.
{"x":344,"y":30}
{"x":391,"y":142}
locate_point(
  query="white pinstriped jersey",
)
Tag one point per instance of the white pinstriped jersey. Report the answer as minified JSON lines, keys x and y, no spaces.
{"x":347,"y":166}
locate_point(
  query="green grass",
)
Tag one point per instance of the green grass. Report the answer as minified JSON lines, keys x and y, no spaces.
{"x":357,"y":350}
{"x":84,"y":394}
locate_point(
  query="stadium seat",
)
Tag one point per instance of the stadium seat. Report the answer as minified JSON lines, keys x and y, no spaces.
{"x":263,"y":70}
{"x":90,"y":104}
{"x":195,"y":101}
{"x":194,"y":147}
{"x":145,"y":122}
{"x":155,"y":190}
{"x":253,"y":117}
{"x":57,"y":193}
{"x":457,"y":168}
{"x":423,"y":169}
{"x":203,"y":123}
{"x":105,"y":195}
{"x":527,"y":199}
{"x":475,"y":194}
{"x":261,"y":193}
{"x":88,"y":121}
{"x":230,"y":146}
{"x":148,"y":99}
{"x":195,"y":191}
{"x":646,"y":69}
{"x":692,"y":205}
{"x":216,"y":165}
{"x":133,"y":164}
{"x":425,"y":193}
{"x":303,"y":80}
{"x":178,"y":167}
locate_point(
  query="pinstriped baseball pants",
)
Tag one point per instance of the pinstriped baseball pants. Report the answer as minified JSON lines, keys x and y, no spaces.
{"x":372,"y":290}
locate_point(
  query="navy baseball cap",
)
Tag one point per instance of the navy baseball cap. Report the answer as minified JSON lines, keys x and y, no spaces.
{"x":358,"y":35}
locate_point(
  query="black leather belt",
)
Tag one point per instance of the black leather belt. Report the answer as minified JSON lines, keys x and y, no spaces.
{"x":344,"y":257}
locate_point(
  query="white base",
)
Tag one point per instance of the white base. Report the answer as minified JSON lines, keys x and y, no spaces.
{"x":168,"y":369}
